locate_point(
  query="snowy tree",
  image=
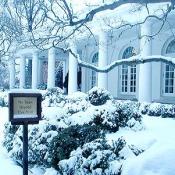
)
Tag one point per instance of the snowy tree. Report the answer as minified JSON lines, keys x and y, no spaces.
{"x":53,"y":23}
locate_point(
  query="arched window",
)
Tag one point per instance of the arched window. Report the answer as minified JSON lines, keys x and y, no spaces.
{"x":168,"y":76}
{"x":128,"y":73}
{"x":171,"y":47}
{"x":94,"y":73}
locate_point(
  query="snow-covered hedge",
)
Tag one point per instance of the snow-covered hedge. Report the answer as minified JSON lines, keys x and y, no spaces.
{"x":158,"y":109}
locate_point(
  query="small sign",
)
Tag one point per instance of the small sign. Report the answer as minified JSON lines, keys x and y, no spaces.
{"x":24,"y":108}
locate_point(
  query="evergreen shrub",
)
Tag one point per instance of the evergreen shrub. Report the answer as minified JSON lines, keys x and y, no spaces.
{"x":9,"y":133}
{"x":53,"y":97}
{"x":70,"y":139}
{"x":98,"y":96}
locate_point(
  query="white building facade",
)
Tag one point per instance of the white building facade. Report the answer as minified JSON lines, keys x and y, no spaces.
{"x":150,"y":82}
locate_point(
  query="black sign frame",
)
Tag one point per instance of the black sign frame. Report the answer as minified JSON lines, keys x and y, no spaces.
{"x":22,"y":121}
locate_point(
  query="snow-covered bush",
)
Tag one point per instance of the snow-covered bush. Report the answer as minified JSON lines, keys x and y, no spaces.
{"x":53,"y":97}
{"x":70,"y":139}
{"x":144,"y":108}
{"x":4,"y":99}
{"x":98,"y":96}
{"x":9,"y":133}
{"x":158,"y":109}
{"x":168,"y":111}
{"x":63,"y":131}
{"x":155,"y":109}
{"x":96,"y":157}
{"x":40,"y":137}
{"x":76,"y":102}
{"x":106,"y":119}
{"x":128,"y":114}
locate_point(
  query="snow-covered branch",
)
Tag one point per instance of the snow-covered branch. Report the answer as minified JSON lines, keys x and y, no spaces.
{"x":130,"y":61}
{"x":90,"y":15}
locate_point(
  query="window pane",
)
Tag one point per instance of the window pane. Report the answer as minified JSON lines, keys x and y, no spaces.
{"x":128,"y":72}
{"x":171,"y":47}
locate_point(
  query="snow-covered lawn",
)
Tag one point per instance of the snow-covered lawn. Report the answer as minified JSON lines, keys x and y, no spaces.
{"x":158,"y":139}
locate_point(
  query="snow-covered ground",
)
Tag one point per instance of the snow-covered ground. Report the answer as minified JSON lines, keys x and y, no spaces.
{"x":158,"y":139}
{"x":7,"y":166}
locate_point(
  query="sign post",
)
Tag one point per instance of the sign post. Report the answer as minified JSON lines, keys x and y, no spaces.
{"x":24,"y":109}
{"x":25,"y":149}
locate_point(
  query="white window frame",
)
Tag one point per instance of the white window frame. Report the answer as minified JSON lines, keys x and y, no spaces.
{"x":94,"y":75}
{"x":128,"y":78}
{"x":164,"y":78}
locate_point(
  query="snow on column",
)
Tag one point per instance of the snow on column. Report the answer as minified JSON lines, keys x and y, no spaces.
{"x":145,"y":73}
{"x":51,"y":68}
{"x":73,"y":65}
{"x":12,"y":73}
{"x":35,"y":70}
{"x":102,"y":61}
{"x":22,"y":72}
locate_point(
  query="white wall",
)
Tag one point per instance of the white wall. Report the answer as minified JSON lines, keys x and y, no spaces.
{"x":159,"y":44}
{"x":116,"y":46}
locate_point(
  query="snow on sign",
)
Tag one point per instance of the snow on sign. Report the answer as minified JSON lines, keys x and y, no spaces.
{"x":24,"y":108}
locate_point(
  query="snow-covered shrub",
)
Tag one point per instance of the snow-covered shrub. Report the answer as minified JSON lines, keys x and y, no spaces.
{"x":4,"y":99}
{"x":155,"y":109}
{"x":76,"y":102}
{"x":96,"y":157}
{"x":93,"y":158}
{"x":2,"y":104}
{"x":40,"y":137}
{"x":53,"y":97}
{"x":128,"y":114}
{"x":98,"y":96}
{"x":118,"y":145}
{"x":113,"y":115}
{"x":9,"y":133}
{"x":168,"y":111}
{"x":158,"y":109}
{"x":106,"y":119}
{"x":144,"y":108}
{"x":70,"y":139}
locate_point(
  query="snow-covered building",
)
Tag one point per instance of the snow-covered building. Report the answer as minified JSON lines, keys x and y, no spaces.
{"x":145,"y":82}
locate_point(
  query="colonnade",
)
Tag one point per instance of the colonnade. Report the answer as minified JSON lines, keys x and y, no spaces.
{"x":144,"y":84}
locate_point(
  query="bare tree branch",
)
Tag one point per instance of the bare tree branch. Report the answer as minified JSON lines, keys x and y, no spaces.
{"x":89,"y":17}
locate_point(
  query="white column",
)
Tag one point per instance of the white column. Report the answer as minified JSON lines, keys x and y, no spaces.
{"x":73,"y":65}
{"x":12,"y":73}
{"x":39,"y":71}
{"x":22,"y":72}
{"x":35,"y":70}
{"x":102,"y":77}
{"x":145,"y":72}
{"x":51,"y":68}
